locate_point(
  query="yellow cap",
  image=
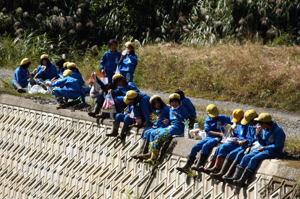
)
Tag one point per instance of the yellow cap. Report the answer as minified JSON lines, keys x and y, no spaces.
{"x":237,"y":115}
{"x":130,"y":95}
{"x":264,"y":117}
{"x":24,"y":61}
{"x":174,"y":96}
{"x":71,"y":65}
{"x":44,"y":56}
{"x":249,"y":115}
{"x":67,"y":73}
{"x":130,"y":44}
{"x":116,"y":76}
{"x":153,"y":97}
{"x":65,"y":64}
{"x":212,"y":110}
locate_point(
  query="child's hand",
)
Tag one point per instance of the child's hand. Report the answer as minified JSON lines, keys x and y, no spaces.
{"x":165,"y":121}
{"x":258,"y":130}
{"x":34,"y":72}
{"x":168,"y":105}
{"x":109,"y":91}
{"x":102,"y":71}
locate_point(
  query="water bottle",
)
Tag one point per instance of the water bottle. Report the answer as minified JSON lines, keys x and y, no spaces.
{"x":196,"y":126}
{"x":128,"y":77}
{"x":29,"y":87}
{"x":186,"y":131}
{"x":124,"y":52}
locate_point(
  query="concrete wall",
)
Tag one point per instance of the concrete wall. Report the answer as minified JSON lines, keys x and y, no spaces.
{"x":46,"y":153}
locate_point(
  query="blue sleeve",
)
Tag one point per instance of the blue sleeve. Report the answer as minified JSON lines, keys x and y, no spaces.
{"x":250,"y":135}
{"x":103,"y":61}
{"x":18,"y":74}
{"x":145,"y":110}
{"x":279,"y":142}
{"x":60,"y":83}
{"x":183,"y":115}
{"x":164,"y":114}
{"x":39,"y":68}
{"x":133,"y":59}
{"x":133,"y":87}
{"x":207,"y":126}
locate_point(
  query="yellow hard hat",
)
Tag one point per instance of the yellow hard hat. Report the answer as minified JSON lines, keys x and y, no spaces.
{"x":130,"y":44}
{"x":116,"y":76}
{"x":67,"y":73}
{"x":153,"y":97}
{"x":174,"y":96}
{"x":71,"y":65}
{"x":249,"y":115}
{"x":24,"y":61}
{"x":212,"y":110}
{"x":264,"y":117}
{"x":45,"y":56}
{"x":237,"y":114}
{"x":130,"y":96}
{"x":65,"y":64}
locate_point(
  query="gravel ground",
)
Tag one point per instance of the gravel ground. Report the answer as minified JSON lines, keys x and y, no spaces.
{"x":290,"y":122}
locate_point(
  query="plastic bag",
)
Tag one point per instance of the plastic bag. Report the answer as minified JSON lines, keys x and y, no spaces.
{"x":37,"y":89}
{"x":109,"y":105}
{"x":117,"y":70}
{"x":104,"y":79}
{"x":96,"y":88}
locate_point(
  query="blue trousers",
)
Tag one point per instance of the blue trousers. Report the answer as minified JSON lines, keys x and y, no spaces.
{"x":167,"y":133}
{"x":62,"y":92}
{"x":225,"y":148}
{"x":205,"y":145}
{"x":124,"y":73}
{"x":120,"y":117}
{"x":233,"y":154}
{"x":109,"y":75}
{"x":252,"y":159}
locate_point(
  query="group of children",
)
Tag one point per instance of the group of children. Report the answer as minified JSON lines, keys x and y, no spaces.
{"x":253,"y":137}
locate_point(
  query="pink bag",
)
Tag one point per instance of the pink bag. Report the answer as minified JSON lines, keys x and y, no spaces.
{"x":109,"y":105}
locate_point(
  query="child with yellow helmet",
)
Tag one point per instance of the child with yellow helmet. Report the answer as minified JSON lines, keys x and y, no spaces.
{"x":162,"y":112}
{"x":21,"y":75}
{"x":46,"y":71}
{"x":175,"y":127}
{"x":128,"y":61}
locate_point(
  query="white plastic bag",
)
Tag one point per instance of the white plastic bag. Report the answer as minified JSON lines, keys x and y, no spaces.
{"x":104,"y":80}
{"x":109,"y":105}
{"x":37,"y":89}
{"x":117,"y":70}
{"x":96,"y":88}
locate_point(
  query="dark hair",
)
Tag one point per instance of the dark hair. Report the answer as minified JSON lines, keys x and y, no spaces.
{"x":74,"y":69}
{"x":267,"y":123}
{"x":174,"y":99}
{"x":25,"y":66}
{"x":161,"y":103}
{"x":132,"y":52}
{"x":119,"y":79}
{"x":110,"y":42}
{"x":60,"y":62}
{"x":48,"y":62}
{"x":180,"y":92}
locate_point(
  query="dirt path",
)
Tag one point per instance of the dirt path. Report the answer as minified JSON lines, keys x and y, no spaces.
{"x":290,"y":122}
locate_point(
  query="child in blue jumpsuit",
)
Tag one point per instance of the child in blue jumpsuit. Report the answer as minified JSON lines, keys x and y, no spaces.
{"x":235,"y":156}
{"x":128,"y":62}
{"x":110,"y":59}
{"x":60,"y":69}
{"x":68,"y":87}
{"x":48,"y":73}
{"x":175,"y":126}
{"x":162,"y":112}
{"x":186,"y":102}
{"x":21,"y":75}
{"x":238,"y":136}
{"x":272,"y":142}
{"x":141,"y":108}
{"x":213,"y":125}
{"x":75,"y":73}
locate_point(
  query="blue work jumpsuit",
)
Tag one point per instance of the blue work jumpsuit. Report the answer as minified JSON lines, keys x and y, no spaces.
{"x":68,"y":87}
{"x":109,"y":63}
{"x":21,"y":76}
{"x":227,"y":147}
{"x":273,"y":142}
{"x":49,"y":74}
{"x":141,"y":109}
{"x":210,"y":141}
{"x":128,"y":65}
{"x":161,"y":115}
{"x":186,"y":102}
{"x":176,"y":126}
